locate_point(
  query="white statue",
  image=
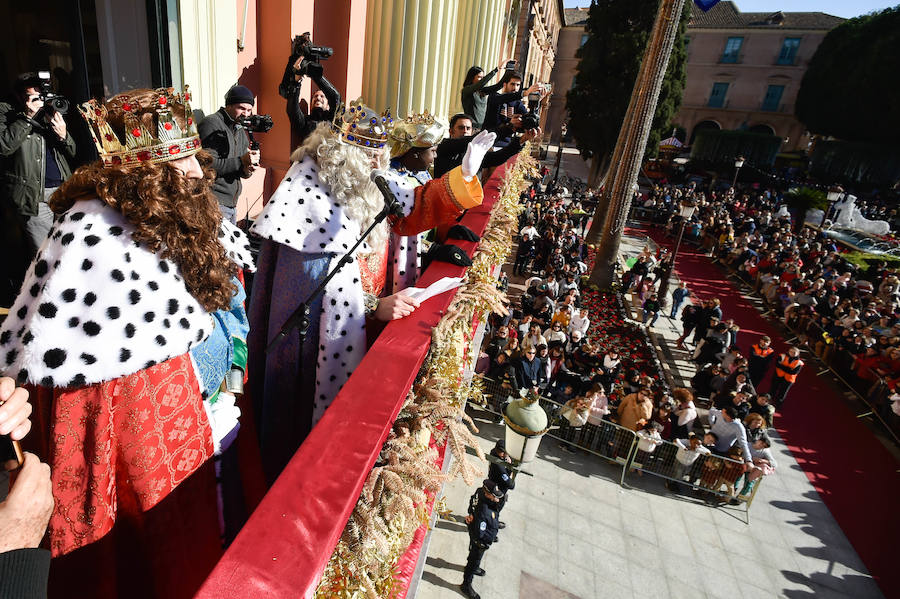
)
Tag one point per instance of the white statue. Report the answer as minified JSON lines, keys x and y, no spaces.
{"x":847,"y":215}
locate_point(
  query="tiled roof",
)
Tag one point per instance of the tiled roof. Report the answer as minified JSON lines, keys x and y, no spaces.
{"x":576,"y":16}
{"x":726,"y":15}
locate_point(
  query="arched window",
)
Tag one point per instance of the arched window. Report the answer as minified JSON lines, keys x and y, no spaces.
{"x":702,"y":125}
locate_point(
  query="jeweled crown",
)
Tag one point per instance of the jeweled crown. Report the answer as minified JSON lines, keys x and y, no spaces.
{"x":130,"y":141}
{"x":359,"y":125}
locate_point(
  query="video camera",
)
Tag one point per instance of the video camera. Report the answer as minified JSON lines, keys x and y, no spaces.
{"x":302,"y":47}
{"x":532,"y":119}
{"x":255,"y":123}
{"x":52,"y":102}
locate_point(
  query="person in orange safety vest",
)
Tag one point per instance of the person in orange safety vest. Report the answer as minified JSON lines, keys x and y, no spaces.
{"x":759,"y":359}
{"x":786,"y":370}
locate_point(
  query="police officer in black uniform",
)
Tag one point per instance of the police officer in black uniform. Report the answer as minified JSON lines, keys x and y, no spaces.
{"x":502,"y":475}
{"x":483,"y":521}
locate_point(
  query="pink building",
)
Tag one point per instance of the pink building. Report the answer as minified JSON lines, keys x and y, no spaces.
{"x":744,"y":70}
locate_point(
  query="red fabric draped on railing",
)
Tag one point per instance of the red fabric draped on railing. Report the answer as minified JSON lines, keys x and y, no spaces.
{"x":284,"y":547}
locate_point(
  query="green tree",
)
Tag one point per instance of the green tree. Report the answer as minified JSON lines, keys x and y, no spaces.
{"x":850,"y":88}
{"x":803,"y":199}
{"x":609,"y":61}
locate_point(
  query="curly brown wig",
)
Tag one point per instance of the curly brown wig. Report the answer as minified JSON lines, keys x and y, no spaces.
{"x":174,"y":216}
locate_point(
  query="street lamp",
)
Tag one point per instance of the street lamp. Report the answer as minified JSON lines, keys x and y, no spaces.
{"x":686,"y":210}
{"x":738,"y":163}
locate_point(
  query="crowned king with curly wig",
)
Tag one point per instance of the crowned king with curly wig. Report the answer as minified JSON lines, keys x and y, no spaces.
{"x":174,"y":216}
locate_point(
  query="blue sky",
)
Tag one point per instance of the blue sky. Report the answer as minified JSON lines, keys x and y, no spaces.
{"x":841,"y":8}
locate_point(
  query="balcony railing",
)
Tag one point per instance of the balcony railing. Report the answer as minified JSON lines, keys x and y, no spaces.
{"x":283,"y":549}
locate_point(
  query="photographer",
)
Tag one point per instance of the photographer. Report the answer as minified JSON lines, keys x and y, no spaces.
{"x":503,"y":106}
{"x":224,"y":137}
{"x":304,"y":61}
{"x":450,"y":151}
{"x":34,"y":151}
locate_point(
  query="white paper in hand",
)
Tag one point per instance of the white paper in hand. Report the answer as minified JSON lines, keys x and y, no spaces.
{"x":436,"y":288}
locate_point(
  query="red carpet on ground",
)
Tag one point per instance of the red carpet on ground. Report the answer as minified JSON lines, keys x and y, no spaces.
{"x":854,"y":474}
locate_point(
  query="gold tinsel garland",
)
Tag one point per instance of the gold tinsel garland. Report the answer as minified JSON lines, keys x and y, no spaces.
{"x":393,"y":503}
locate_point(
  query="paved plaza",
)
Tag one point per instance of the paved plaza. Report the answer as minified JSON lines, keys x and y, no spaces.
{"x":574,"y":532}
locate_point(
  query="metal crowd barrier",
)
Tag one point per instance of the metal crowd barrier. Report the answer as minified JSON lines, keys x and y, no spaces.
{"x":711,"y":477}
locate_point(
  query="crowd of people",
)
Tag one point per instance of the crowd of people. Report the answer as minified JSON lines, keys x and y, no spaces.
{"x":845,"y":314}
{"x":543,"y":346}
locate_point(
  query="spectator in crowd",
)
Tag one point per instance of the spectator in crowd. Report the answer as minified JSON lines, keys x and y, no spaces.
{"x":636,"y":409}
{"x":689,"y":317}
{"x":679,"y":296}
{"x":224,"y":137}
{"x":729,"y":431}
{"x":651,"y":309}
{"x":530,"y":372}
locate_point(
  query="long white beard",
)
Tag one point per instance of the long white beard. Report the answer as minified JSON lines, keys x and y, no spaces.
{"x":346,"y":170}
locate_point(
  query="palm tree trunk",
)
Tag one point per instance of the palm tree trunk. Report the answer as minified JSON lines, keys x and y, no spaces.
{"x":632,"y":142}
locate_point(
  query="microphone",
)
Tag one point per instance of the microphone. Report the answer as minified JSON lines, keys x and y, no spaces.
{"x":391,"y":204}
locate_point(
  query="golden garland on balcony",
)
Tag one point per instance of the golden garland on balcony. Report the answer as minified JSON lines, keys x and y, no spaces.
{"x":393,"y":502}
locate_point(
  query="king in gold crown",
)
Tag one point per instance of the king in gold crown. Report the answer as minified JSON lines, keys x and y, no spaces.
{"x":143,"y":126}
{"x":359,"y":125}
{"x":420,"y":130}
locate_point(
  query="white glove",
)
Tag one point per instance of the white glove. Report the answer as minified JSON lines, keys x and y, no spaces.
{"x":480,"y":145}
{"x":223,"y":420}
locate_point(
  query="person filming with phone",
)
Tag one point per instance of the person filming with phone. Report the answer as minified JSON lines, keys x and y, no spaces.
{"x":26,"y":504}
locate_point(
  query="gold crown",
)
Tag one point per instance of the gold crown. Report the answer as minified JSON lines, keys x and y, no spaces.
{"x":359,"y":125}
{"x":420,"y":130}
{"x":168,"y":142}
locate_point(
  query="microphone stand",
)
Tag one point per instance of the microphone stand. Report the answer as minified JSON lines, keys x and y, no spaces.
{"x":299,"y":318}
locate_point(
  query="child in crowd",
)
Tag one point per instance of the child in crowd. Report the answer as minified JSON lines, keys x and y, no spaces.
{"x":648,"y":439}
{"x":689,"y":450}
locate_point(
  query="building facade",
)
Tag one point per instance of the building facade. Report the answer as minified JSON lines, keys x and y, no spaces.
{"x":571,"y":37}
{"x":744,"y":71}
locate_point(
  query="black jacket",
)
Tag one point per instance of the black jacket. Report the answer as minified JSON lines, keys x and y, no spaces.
{"x":450,"y":154}
{"x":22,"y":157}
{"x":303,"y":124}
{"x":23,"y":573}
{"x":226,"y":142}
{"x":501,"y":475}
{"x":485,"y":519}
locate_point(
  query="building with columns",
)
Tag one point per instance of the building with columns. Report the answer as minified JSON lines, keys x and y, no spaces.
{"x":571,"y":37}
{"x":744,"y":70}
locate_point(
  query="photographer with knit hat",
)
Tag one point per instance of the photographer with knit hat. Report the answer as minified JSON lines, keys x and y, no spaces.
{"x":226,"y":140}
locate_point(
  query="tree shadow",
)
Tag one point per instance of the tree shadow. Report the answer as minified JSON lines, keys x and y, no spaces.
{"x":451,"y":526}
{"x":432,"y":578}
{"x":437,"y":562}
{"x":834,"y":550}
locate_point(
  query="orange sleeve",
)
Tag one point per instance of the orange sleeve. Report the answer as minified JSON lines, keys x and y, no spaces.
{"x":439,"y":201}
